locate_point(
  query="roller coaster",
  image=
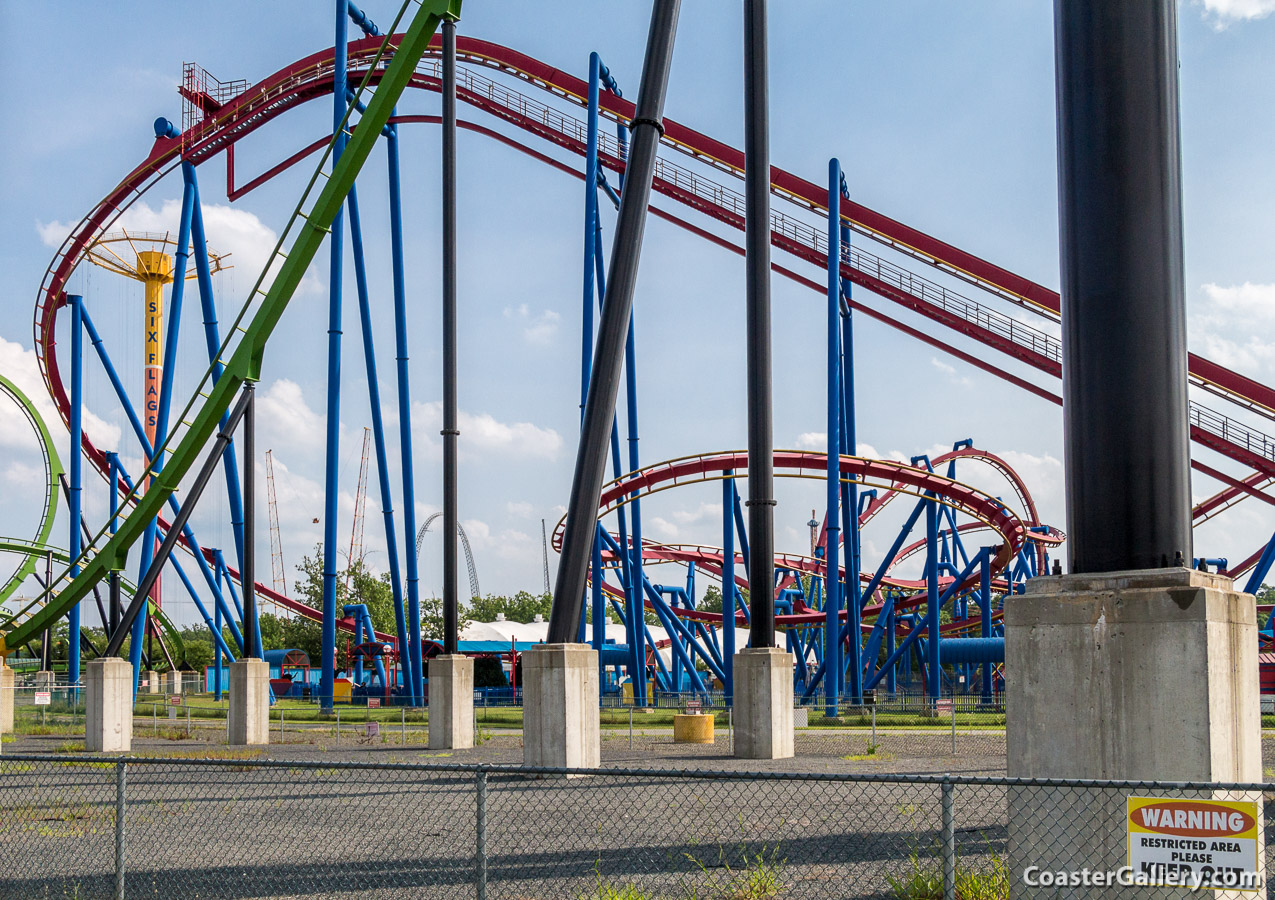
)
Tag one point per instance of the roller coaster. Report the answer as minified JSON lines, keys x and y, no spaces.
{"x":852,"y":626}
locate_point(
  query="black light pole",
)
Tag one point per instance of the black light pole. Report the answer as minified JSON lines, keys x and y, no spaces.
{"x":248,"y":577}
{"x":761,"y":459}
{"x":617,"y":304}
{"x":1123,"y":314}
{"x":46,"y":649}
{"x":451,"y":596}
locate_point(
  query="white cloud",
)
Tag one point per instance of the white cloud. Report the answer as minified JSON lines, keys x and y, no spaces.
{"x":483,"y":432}
{"x":665,"y":529}
{"x":1223,"y":12}
{"x":19,"y":366}
{"x":1233,"y":325}
{"x":519,"y":509}
{"x":537,"y":329}
{"x":709,"y":511}
{"x":812,"y":440}
{"x":287,"y":419}
{"x":949,"y":372}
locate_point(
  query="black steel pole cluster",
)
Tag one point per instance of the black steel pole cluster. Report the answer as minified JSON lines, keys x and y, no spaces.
{"x":761,"y":459}
{"x":1123,"y":313}
{"x":608,"y":358}
{"x":451,"y":595}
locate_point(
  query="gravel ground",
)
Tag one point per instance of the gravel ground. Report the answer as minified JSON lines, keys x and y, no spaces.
{"x":233,"y":830}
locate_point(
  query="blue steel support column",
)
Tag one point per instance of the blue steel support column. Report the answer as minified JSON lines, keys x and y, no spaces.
{"x":113,"y":480}
{"x":850,"y":446}
{"x":985,"y":614}
{"x":590,"y":223}
{"x":832,"y":561}
{"x":728,"y":585}
{"x":165,"y":398}
{"x":77,"y":474}
{"x":409,"y":629}
{"x":374,"y":400}
{"x":934,"y":677}
{"x":217,"y":653}
{"x":891,"y":675}
{"x":327,"y":672}
{"x":212,"y":340}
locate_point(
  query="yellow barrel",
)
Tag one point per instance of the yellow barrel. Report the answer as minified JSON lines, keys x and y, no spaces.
{"x":694,"y":728}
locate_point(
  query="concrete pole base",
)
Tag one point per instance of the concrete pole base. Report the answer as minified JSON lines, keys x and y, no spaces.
{"x":172,"y":682}
{"x":1142,"y":675}
{"x":150,"y":681}
{"x":108,"y":705}
{"x":451,"y":702}
{"x":249,"y":708}
{"x":6,"y":699}
{"x":560,"y":707}
{"x":45,"y":680}
{"x":763,"y":703}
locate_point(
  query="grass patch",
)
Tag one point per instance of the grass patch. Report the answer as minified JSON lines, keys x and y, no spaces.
{"x":924,"y":880}
{"x":872,"y":752}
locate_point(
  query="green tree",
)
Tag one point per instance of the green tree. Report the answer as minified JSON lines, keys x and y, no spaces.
{"x":521,"y":607}
{"x":376,"y":593}
{"x":432,"y":618}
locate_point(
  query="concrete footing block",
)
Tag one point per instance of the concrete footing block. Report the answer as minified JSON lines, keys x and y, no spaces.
{"x":150,"y":682}
{"x":249,"y":707}
{"x":763,"y":703}
{"x":6,"y":699}
{"x":172,"y":682}
{"x":560,"y":707}
{"x":451,"y":702}
{"x":45,"y":680}
{"x":108,"y":705}
{"x":1140,"y":675}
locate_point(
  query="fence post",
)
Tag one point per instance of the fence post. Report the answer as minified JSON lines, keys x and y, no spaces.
{"x":281,"y":726}
{"x":874,"y":725}
{"x":949,"y":843}
{"x":953,"y":726}
{"x":480,"y":846}
{"x":402,"y":714}
{"x":120,"y":768}
{"x":188,"y":720}
{"x":630,"y":728}
{"x":338,"y":726}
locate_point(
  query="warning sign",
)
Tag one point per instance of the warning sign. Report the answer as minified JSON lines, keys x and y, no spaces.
{"x":42,"y":698}
{"x":1198,"y":843}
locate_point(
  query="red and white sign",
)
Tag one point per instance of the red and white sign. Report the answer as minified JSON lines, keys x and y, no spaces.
{"x":42,"y":698}
{"x":1197,"y":843}
{"x":373,"y":702}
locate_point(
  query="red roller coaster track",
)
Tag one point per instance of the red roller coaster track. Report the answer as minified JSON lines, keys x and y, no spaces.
{"x":311,"y":78}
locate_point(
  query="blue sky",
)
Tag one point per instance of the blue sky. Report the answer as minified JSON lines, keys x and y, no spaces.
{"x":942,"y":115}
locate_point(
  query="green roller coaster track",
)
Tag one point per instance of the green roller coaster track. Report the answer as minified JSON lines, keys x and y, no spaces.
{"x":32,"y":551}
{"x":243,"y":363}
{"x":37,"y":551}
{"x":53,"y":471}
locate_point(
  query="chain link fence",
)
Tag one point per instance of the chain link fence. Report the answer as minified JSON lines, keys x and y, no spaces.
{"x":112,"y":828}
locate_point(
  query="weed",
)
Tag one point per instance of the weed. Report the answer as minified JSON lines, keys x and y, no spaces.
{"x":924,"y":880}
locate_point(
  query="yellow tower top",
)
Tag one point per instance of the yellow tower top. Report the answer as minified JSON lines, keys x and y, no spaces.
{"x":154,"y":265}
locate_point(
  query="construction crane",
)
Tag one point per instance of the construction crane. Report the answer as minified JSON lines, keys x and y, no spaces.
{"x":360,"y":503}
{"x":277,"y":570}
{"x":544,"y":547}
